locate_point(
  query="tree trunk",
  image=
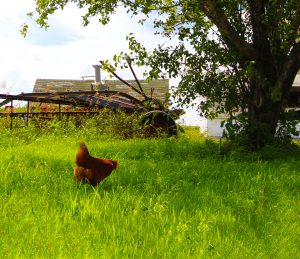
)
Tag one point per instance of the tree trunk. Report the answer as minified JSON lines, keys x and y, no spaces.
{"x":263,"y":116}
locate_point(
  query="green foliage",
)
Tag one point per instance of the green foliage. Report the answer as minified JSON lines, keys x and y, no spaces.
{"x":287,"y":126}
{"x":236,"y":130}
{"x":169,"y":198}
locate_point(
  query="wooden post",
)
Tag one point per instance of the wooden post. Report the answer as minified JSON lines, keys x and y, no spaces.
{"x":27,"y":113}
{"x":11,"y":111}
{"x":59,"y":108}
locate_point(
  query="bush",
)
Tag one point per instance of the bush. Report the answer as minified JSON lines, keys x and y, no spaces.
{"x":115,"y":124}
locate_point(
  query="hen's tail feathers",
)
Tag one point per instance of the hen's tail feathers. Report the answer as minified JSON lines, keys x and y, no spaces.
{"x":82,"y":155}
{"x":83,"y":147}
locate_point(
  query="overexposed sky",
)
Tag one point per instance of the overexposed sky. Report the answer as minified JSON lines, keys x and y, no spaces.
{"x":67,"y":50}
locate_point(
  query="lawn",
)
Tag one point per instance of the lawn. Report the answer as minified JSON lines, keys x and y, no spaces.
{"x":169,"y":198}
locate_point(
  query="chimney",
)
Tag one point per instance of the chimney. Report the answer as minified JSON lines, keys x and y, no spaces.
{"x":97,"y":86}
{"x":97,"y":73}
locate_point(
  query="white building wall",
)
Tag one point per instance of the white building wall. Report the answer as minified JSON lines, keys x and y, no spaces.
{"x":297,"y":136}
{"x":214,"y":128}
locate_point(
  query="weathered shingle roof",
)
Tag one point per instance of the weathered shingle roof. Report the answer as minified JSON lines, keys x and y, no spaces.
{"x":161,"y":86}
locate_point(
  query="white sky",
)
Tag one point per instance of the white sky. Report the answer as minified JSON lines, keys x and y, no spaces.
{"x":67,"y":50}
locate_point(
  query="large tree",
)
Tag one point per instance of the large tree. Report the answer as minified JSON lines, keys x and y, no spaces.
{"x":240,"y":54}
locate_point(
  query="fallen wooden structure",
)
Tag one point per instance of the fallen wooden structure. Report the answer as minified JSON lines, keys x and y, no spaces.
{"x":154,"y":113}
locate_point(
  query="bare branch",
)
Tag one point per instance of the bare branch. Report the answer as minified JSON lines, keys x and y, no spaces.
{"x":136,"y":79}
{"x":122,"y":80}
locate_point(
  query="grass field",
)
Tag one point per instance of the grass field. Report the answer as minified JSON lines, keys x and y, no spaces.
{"x":169,"y":198}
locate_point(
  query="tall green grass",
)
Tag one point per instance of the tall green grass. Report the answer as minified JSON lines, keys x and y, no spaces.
{"x":170,"y":198}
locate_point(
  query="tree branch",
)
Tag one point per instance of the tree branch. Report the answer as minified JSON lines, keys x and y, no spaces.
{"x":290,"y":69}
{"x":122,"y":80}
{"x":216,"y":14}
{"x":260,"y":32}
{"x":136,"y":79}
{"x":296,"y":22}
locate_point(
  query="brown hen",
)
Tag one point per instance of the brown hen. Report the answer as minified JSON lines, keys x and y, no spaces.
{"x":92,"y":170}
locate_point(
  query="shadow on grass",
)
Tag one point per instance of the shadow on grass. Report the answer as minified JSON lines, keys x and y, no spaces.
{"x":272,"y":152}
